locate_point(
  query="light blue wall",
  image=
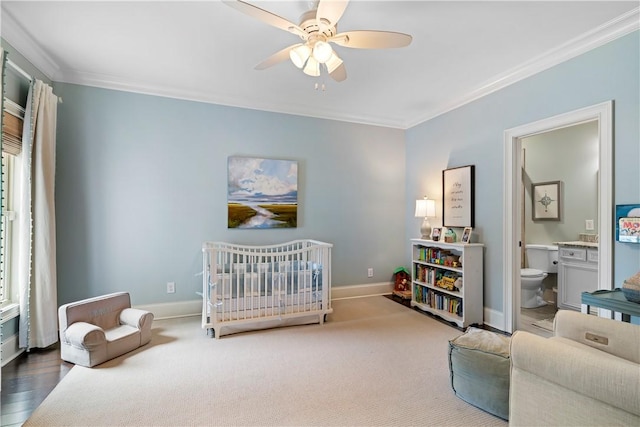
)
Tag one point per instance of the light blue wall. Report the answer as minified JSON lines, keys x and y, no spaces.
{"x":141,"y":182}
{"x":473,"y":134}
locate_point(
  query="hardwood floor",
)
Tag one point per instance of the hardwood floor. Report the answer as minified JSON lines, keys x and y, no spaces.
{"x":27,"y":380}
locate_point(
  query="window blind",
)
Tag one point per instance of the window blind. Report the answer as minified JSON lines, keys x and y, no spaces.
{"x":11,"y":133}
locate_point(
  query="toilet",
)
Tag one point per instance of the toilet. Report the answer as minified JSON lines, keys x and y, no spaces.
{"x":542,"y":260}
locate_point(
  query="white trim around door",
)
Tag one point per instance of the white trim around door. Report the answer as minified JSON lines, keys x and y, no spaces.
{"x":603,"y":114}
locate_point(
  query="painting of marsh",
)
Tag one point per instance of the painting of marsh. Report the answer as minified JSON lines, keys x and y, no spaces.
{"x":262,"y":193}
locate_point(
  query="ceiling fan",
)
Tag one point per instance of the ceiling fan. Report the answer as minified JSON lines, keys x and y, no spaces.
{"x":317,"y":29}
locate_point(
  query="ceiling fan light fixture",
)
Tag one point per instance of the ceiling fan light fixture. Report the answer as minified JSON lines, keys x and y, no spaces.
{"x":322,"y":51}
{"x":312,"y":68}
{"x":333,"y":63}
{"x":318,"y":29}
{"x":299,"y":55}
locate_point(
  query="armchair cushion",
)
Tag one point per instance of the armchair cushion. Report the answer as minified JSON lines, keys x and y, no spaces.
{"x":586,"y":374}
{"x":619,"y":339}
{"x":97,"y":329}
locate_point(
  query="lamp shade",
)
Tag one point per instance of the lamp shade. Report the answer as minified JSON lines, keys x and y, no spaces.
{"x":322,"y":51}
{"x":312,"y":68}
{"x":425,"y":208}
{"x":333,"y":63}
{"x":299,"y":55}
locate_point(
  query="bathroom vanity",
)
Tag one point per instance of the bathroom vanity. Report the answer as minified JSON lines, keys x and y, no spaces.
{"x":577,"y":272}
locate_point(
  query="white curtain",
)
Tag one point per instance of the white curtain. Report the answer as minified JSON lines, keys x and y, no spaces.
{"x":2,"y":68}
{"x":36,"y":225}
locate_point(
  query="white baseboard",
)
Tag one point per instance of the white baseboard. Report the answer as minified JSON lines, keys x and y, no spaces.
{"x":171,"y":310}
{"x":10,"y":349}
{"x":365,"y":290}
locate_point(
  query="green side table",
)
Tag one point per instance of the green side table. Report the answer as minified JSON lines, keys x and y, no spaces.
{"x":611,"y":300}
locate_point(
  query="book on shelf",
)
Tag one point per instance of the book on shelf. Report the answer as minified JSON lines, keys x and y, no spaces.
{"x":434,"y":255}
{"x":437,"y":300}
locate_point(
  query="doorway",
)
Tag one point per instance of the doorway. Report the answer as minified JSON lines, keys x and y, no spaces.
{"x":513,"y":210}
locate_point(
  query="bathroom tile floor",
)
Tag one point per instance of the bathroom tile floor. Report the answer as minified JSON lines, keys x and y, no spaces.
{"x":528,"y":316}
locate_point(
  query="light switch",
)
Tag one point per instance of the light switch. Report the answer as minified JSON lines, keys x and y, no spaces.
{"x":588,"y":224}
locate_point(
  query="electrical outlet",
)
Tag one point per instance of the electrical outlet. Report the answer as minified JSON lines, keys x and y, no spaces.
{"x":370,"y":272}
{"x":171,"y":287}
{"x":588,"y":224}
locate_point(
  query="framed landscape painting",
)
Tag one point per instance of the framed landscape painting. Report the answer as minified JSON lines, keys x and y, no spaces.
{"x":262,"y":193}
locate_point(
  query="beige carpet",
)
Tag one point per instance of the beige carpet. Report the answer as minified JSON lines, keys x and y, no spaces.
{"x":375,"y":362}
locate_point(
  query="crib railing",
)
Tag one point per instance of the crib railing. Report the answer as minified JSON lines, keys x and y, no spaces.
{"x":252,"y":285}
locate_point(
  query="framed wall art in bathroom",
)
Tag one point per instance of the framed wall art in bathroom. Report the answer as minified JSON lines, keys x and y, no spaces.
{"x":546,"y":201}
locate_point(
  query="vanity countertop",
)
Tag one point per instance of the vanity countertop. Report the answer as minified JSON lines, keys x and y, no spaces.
{"x":578,"y":244}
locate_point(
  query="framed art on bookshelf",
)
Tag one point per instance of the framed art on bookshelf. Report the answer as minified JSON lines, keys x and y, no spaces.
{"x":466,"y":235}
{"x":436,"y":232}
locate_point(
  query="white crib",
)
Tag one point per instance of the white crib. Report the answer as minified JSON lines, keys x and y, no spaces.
{"x":257,"y":287}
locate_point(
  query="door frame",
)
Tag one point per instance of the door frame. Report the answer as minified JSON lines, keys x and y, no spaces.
{"x":512,"y":190}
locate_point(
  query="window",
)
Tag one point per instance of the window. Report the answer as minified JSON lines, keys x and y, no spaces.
{"x":11,"y":147}
{"x":8,"y":216}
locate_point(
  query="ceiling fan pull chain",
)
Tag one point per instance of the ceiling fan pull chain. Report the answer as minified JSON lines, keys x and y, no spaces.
{"x":320,"y":85}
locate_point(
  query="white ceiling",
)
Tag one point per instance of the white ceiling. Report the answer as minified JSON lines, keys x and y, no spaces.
{"x":206,"y":51}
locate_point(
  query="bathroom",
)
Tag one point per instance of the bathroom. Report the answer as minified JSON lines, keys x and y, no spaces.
{"x":567,"y":157}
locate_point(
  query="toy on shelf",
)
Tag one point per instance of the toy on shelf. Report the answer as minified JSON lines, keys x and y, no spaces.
{"x":450,"y":236}
{"x":447,"y":281}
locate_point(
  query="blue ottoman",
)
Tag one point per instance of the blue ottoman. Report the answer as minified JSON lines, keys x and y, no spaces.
{"x":479,"y":369}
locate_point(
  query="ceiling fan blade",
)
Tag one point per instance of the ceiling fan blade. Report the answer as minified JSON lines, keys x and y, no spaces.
{"x":276,"y":58}
{"x":266,"y":17}
{"x":371,"y":39}
{"x":331,"y":10}
{"x":339,"y":74}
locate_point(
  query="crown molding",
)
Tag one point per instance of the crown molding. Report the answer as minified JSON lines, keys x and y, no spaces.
{"x":105,"y":81}
{"x":599,"y":36}
{"x":22,"y":41}
{"x":625,"y":24}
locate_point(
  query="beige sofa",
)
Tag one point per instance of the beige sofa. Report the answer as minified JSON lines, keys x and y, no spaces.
{"x":588,"y":373}
{"x":98,"y":329}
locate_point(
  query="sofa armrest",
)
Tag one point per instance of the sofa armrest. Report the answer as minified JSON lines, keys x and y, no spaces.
{"x":135,"y":318}
{"x":617,"y":338}
{"x":140,"y":319}
{"x":83,"y":335}
{"x":580,"y":368}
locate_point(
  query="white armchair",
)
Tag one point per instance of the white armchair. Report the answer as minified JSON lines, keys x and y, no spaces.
{"x":587,"y":374}
{"x":98,"y":329}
